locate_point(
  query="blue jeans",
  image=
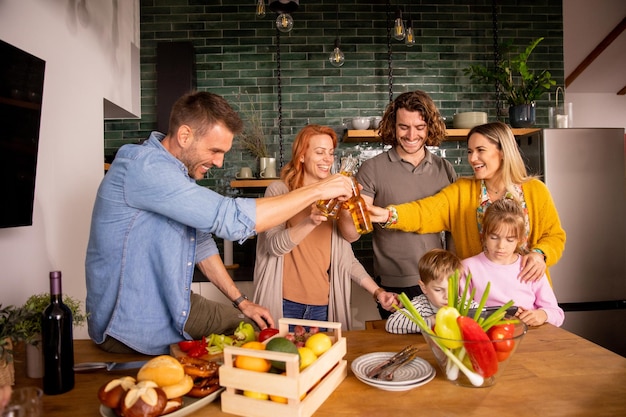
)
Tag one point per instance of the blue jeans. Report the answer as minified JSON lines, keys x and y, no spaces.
{"x":295,"y":310}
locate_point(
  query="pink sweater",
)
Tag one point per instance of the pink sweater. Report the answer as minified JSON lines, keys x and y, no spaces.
{"x":505,"y":286}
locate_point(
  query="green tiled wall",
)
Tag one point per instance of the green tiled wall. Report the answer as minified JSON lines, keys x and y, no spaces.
{"x":236,"y":56}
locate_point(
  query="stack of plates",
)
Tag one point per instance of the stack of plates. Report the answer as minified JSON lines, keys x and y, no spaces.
{"x":413,"y":374}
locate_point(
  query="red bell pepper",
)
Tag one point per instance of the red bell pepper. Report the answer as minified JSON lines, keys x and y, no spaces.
{"x":482,"y":355}
{"x":267,"y":333}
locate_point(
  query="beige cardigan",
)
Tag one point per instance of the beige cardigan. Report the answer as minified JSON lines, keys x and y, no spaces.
{"x":268,"y":269}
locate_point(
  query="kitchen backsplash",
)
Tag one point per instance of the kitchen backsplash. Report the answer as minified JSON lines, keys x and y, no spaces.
{"x":236,"y":56}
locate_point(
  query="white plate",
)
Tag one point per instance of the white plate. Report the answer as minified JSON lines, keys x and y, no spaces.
{"x":189,"y":405}
{"x":400,"y":387}
{"x":411,"y":373}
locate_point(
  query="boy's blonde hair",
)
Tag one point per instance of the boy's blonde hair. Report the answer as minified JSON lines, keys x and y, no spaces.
{"x":505,"y":215}
{"x":437,"y":264}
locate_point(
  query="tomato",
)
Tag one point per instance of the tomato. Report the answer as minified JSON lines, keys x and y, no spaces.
{"x":502,"y":335}
{"x":267,"y":333}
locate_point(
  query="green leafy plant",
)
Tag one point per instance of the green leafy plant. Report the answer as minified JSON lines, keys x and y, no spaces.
{"x":29,"y":327}
{"x":516,"y":82}
{"x":11,"y":318}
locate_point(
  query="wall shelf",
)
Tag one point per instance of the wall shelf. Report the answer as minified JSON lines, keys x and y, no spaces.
{"x":251,"y":183}
{"x":358,"y":136}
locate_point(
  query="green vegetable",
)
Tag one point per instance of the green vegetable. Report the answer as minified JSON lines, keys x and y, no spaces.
{"x":244,"y":333}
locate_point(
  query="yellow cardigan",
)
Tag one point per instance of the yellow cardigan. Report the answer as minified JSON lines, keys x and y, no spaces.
{"x":454,"y":209}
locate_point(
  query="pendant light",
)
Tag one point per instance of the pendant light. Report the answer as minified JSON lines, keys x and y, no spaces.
{"x":260,"y":8}
{"x":409,"y":39}
{"x":337,"y":58}
{"x":284,"y":21}
{"x":399,"y":31}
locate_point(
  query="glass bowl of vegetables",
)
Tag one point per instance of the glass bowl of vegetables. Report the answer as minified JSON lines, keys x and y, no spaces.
{"x":480,"y":355}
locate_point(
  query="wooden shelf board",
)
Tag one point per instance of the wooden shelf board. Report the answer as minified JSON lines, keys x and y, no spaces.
{"x":356,"y":136}
{"x":251,"y":183}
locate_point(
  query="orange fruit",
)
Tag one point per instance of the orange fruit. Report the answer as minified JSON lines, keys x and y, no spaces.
{"x":318,"y":343}
{"x":251,"y":363}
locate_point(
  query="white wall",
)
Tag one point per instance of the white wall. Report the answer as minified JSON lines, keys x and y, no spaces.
{"x":90,"y":48}
{"x":585,"y":24}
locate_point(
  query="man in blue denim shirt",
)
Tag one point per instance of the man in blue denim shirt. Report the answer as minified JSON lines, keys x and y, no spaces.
{"x":152,"y":224}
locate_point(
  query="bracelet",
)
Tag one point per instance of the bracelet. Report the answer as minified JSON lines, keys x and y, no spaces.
{"x":377,"y":293}
{"x":239,"y":300}
{"x":393,"y":217}
{"x":540,"y":252}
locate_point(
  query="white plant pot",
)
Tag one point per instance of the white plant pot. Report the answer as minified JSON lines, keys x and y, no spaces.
{"x":34,"y":360}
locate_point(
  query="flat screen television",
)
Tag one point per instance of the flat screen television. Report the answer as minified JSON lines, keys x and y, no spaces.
{"x":21,"y":90}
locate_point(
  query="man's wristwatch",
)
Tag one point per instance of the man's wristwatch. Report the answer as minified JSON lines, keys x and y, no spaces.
{"x":239,"y":300}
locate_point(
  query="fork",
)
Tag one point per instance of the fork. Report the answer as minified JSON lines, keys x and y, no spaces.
{"x":387,"y":373}
{"x":398,"y":357}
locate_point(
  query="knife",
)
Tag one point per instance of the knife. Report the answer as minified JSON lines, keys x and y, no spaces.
{"x":109,"y":366}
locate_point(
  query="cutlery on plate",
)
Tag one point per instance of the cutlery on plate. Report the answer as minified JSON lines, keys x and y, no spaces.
{"x":403,"y":354}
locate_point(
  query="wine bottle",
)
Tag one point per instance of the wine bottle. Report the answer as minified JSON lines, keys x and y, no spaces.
{"x":57,"y":341}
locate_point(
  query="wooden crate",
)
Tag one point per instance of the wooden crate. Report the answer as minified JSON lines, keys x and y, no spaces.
{"x":317,"y":381}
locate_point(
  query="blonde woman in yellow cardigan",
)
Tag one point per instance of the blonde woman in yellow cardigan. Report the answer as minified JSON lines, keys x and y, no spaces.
{"x":499,"y":172}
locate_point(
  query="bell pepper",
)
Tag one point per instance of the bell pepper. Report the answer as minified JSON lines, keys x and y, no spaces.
{"x":482,"y":355}
{"x":267,"y":333}
{"x":446,"y":326}
{"x":244,"y":333}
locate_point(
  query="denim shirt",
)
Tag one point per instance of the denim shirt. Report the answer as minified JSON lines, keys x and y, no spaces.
{"x":151,"y":224}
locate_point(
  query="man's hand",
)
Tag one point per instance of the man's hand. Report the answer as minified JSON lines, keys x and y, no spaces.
{"x":259,"y":314}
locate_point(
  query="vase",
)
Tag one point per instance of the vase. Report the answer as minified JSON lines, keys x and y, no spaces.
{"x":522,"y":115}
{"x":267,"y":167}
{"x":7,"y":370}
{"x":34,"y":359}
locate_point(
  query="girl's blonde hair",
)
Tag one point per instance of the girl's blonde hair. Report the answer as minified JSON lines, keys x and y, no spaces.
{"x":437,"y":264}
{"x":512,"y":170}
{"x":506,"y":215}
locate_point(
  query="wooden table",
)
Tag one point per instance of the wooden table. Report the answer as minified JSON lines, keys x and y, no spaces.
{"x":553,"y":373}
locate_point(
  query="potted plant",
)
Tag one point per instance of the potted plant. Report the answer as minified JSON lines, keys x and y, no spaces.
{"x":29,"y":328}
{"x":517,"y":84}
{"x":253,"y":138}
{"x":10,"y":333}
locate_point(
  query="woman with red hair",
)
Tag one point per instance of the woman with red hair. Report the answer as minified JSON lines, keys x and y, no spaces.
{"x":304,"y":267}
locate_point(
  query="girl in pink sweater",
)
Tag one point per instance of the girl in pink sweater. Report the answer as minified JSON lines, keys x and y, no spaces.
{"x":503,"y":238}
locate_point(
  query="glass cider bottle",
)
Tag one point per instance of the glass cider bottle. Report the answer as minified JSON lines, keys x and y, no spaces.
{"x":330,"y":208}
{"x":358,"y":209}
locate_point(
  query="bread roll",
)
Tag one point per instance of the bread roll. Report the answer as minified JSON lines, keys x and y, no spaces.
{"x":179,"y":389}
{"x":164,"y":370}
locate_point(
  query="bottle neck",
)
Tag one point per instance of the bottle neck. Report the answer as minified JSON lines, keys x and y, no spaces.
{"x":55,"y":285}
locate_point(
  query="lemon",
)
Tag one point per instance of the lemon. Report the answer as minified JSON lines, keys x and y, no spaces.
{"x":278,"y":399}
{"x":307,"y":356}
{"x":318,"y":343}
{"x":256,"y":395}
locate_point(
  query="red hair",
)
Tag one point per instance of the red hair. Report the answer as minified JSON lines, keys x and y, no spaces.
{"x":293,"y":172}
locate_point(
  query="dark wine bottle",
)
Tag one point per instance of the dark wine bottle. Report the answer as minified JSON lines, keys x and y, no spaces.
{"x":57,"y":341}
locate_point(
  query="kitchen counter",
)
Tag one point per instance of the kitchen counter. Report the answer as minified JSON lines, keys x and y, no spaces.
{"x":553,"y":373}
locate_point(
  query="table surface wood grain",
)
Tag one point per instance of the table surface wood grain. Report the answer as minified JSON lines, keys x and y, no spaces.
{"x":553,"y":373}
